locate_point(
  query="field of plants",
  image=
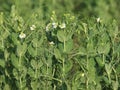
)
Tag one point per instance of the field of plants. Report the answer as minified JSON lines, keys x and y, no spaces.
{"x":59,"y":45}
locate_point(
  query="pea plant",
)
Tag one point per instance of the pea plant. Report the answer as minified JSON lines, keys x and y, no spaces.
{"x":64,"y":53}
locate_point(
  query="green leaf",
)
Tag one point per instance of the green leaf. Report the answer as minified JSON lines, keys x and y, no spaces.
{"x":98,"y":87}
{"x":6,"y":87}
{"x":61,"y":36}
{"x":35,"y":43}
{"x":68,"y":35}
{"x":34,"y":85}
{"x":64,"y":36}
{"x":31,"y":72}
{"x":92,"y":87}
{"x":14,"y":37}
{"x":32,"y":51}
{"x":2,"y":78}
{"x":69,"y":45}
{"x":1,"y":46}
{"x":118,"y":69}
{"x":40,"y":64}
{"x":14,"y":60}
{"x":43,"y":70}
{"x":114,"y":29}
{"x":61,"y":47}
{"x":16,"y":74}
{"x":100,"y":62}
{"x":5,"y":34}
{"x":1,"y":18}
{"x":91,"y":48}
{"x":117,"y":49}
{"x":57,"y":53}
{"x":13,"y":11}
{"x":115,"y":85}
{"x":104,"y":48}
{"x":106,"y":80}
{"x":21,"y":49}
{"x":91,"y":70}
{"x":6,"y":54}
{"x":2,"y":63}
{"x":82,"y":50}
{"x":23,"y":69}
{"x":68,"y":66}
{"x":26,"y":88}
{"x":108,"y":68}
{"x":33,"y":64}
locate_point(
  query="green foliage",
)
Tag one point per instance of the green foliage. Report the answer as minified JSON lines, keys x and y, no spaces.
{"x":47,"y":45}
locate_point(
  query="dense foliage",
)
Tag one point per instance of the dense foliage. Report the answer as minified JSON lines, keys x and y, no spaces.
{"x":59,"y":45}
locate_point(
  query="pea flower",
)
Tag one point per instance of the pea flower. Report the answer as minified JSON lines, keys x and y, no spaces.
{"x":54,"y":25}
{"x":48,"y":27}
{"x":22,"y":35}
{"x":63,"y":25}
{"x":98,"y":20}
{"x":82,"y":74}
{"x":51,"y":43}
{"x":32,"y":27}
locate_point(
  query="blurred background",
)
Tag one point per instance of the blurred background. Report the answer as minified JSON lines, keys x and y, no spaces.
{"x":105,"y":9}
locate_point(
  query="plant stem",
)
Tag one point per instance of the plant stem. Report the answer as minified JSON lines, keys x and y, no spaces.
{"x":51,"y":78}
{"x":63,"y":67}
{"x":87,"y":81}
{"x":20,"y":81}
{"x":36,"y":66}
{"x":103,"y":59}
{"x":87,"y":62}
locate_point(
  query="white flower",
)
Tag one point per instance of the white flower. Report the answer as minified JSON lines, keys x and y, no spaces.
{"x":98,"y":20}
{"x":51,"y":43}
{"x":22,"y":35}
{"x":82,"y":74}
{"x":32,"y":27}
{"x":63,"y":25}
{"x":48,"y":27}
{"x":54,"y":25}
